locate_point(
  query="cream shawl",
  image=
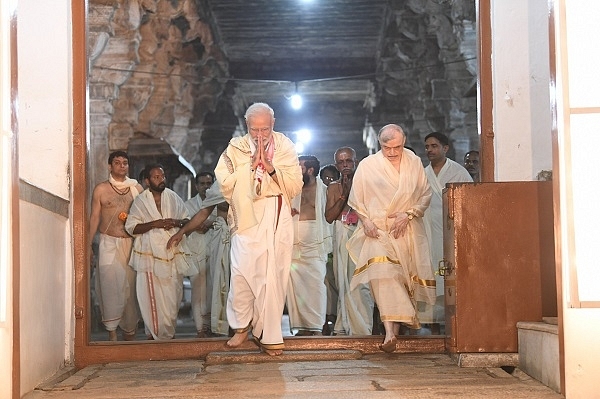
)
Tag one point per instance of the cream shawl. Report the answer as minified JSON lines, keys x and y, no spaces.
{"x":237,"y":179}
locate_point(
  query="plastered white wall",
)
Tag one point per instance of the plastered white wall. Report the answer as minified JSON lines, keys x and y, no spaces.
{"x":578,"y":120}
{"x":6,"y":169}
{"x":44,"y":140}
{"x":44,"y":53}
{"x":44,"y":279}
{"x":521,"y":76}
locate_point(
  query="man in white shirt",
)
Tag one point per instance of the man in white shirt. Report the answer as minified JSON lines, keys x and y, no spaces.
{"x":441,"y":170}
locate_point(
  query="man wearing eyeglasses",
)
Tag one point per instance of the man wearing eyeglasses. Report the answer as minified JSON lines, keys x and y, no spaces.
{"x":259,"y":174}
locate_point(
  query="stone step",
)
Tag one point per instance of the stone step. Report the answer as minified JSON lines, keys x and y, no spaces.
{"x":539,"y":351}
{"x":232,"y":357}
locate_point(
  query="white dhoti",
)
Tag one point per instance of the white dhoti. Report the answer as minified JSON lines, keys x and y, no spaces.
{"x":388,"y":276}
{"x":260,"y":266}
{"x":355,"y":305}
{"x":307,"y":293}
{"x":115,"y":284}
{"x":159,"y":299}
{"x":160,"y":270}
{"x":219,"y":260}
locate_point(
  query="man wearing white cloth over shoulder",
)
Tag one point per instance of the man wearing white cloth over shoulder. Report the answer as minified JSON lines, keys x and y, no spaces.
{"x":259,"y":174}
{"x":441,"y":170}
{"x":155,"y":216}
{"x":390,"y":194}
{"x":307,"y":293}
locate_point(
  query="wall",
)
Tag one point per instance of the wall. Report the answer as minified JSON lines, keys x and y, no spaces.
{"x":45,"y":293}
{"x":521,"y":73}
{"x":578,"y":118}
{"x":6,"y":172}
{"x":44,"y":117}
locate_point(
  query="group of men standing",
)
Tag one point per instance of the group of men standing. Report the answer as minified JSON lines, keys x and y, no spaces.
{"x":379,"y":221}
{"x":137,"y":272}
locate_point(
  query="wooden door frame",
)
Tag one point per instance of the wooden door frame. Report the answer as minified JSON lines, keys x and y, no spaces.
{"x":86,"y":352}
{"x":485,"y":92}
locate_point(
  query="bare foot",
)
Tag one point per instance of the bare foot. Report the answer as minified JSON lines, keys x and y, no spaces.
{"x":273,"y":352}
{"x":389,"y":346}
{"x":237,"y":340}
{"x":112,"y":335}
{"x":129,"y":337}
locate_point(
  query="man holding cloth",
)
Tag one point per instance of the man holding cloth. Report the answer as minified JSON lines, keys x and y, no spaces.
{"x":156,"y":214}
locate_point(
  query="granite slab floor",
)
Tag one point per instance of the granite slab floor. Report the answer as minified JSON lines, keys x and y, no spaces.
{"x":325,"y":375}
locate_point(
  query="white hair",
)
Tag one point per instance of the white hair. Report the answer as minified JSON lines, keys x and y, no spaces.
{"x":388,"y":132}
{"x":259,"y":108}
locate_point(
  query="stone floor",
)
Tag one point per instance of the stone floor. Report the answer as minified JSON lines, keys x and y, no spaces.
{"x":322,"y":374}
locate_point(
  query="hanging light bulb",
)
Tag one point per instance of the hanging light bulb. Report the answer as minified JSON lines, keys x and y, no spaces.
{"x":296,"y":99}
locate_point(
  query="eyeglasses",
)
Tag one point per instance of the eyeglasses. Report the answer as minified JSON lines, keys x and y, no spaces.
{"x":262,"y":130}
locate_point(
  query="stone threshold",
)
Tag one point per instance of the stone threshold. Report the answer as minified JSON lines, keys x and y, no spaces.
{"x":234,"y":357}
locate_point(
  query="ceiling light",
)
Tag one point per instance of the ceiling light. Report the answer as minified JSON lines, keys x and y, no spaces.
{"x":299,"y":147}
{"x":303,"y":136}
{"x":296,"y":99}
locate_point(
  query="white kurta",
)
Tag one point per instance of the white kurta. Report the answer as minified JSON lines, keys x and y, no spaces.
{"x":261,"y":235}
{"x":451,"y":172}
{"x":159,"y":271}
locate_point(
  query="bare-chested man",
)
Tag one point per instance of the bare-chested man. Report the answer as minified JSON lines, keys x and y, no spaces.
{"x":355,"y":307}
{"x":115,"y":280}
{"x":307,"y":293}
